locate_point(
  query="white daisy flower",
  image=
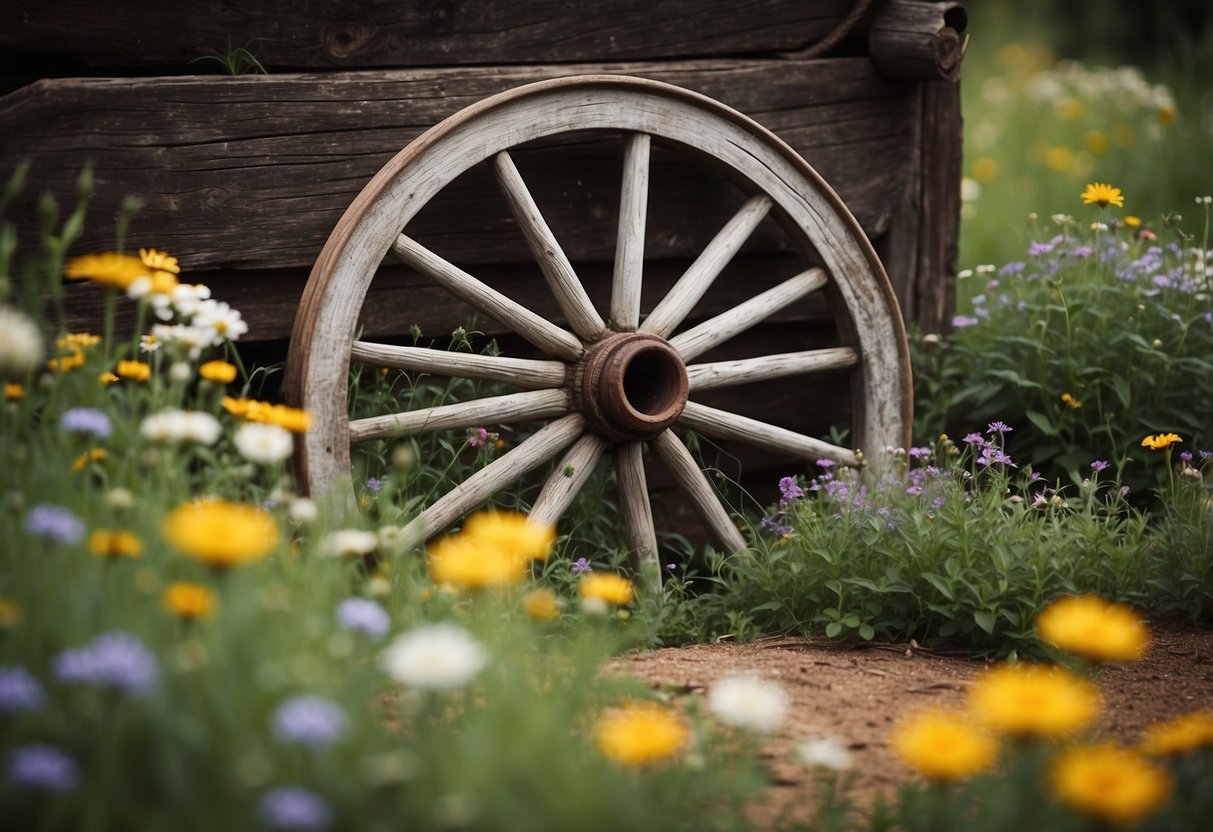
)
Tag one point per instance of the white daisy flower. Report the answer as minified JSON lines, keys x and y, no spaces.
{"x":435,"y":657}
{"x":350,"y":543}
{"x":221,"y":319}
{"x":264,"y":443}
{"x":748,"y":702}
{"x":823,"y":752}
{"x":20,"y":343}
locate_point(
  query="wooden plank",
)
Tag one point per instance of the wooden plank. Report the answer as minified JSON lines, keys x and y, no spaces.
{"x":337,"y":33}
{"x":254,"y":172}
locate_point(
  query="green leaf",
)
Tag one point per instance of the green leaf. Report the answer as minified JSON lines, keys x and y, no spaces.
{"x":1042,"y":422}
{"x":833,"y":629}
{"x":866,"y":632}
{"x":984,"y":619}
{"x":851,"y":621}
{"x":941,"y":584}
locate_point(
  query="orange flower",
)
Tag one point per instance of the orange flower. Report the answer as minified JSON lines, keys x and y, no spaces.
{"x":134,"y":370}
{"x":219,"y":372}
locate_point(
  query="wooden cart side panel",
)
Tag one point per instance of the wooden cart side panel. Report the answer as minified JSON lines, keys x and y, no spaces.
{"x":389,"y":33}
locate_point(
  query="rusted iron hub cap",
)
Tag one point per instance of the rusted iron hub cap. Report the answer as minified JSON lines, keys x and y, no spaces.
{"x":631,"y":385}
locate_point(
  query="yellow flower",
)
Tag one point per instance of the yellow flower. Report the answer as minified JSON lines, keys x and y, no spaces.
{"x":13,"y":392}
{"x":293,"y":419}
{"x":466,"y":562}
{"x":220,"y":372}
{"x":1094,"y":629}
{"x":115,"y":543}
{"x":134,"y":370}
{"x":159,"y":260}
{"x":640,"y":733}
{"x":1027,"y":700}
{"x":66,"y":362}
{"x":221,"y":534}
{"x":1158,"y":442}
{"x":541,"y":605}
{"x":117,"y":271}
{"x":1180,"y":735}
{"x":88,"y":458}
{"x":985,"y":169}
{"x":1109,"y":783}
{"x":613,"y":589}
{"x":512,"y":531}
{"x":188,"y":600}
{"x":107,"y":378}
{"x":1059,"y":158}
{"x":10,"y":612}
{"x":77,"y":340}
{"x":1133,"y":221}
{"x":942,"y":747}
{"x":1071,"y":401}
{"x":1097,"y":142}
{"x":1103,"y":195}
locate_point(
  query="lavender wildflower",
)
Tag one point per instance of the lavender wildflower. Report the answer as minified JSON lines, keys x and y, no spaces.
{"x":114,"y":660}
{"x":1099,"y":465}
{"x":86,"y":420}
{"x":774,"y":524}
{"x":309,"y":720}
{"x":1010,"y":269}
{"x":581,"y":566}
{"x":373,"y":485}
{"x":825,"y":463}
{"x":54,"y":523}
{"x":973,"y":438}
{"x":364,"y":616}
{"x":1205,"y":455}
{"x":999,"y":428}
{"x":40,"y":767}
{"x":990,"y":455}
{"x":964,"y":321}
{"x":1185,"y":456}
{"x":789,"y":489}
{"x":478,"y":438}
{"x":1081,"y":252}
{"x":295,"y":808}
{"x":920,"y":453}
{"x":19,"y":691}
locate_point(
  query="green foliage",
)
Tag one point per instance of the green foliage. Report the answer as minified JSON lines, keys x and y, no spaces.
{"x":236,"y":59}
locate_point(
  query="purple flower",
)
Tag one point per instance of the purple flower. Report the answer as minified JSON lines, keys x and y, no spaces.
{"x":789,"y":489}
{"x":295,"y":807}
{"x":1099,"y":465}
{"x":1081,"y":251}
{"x":86,"y":420}
{"x":1010,"y":269}
{"x":581,"y":566}
{"x":990,"y":455}
{"x":671,"y":566}
{"x":920,"y":453}
{"x":363,"y":615}
{"x":309,"y":720}
{"x":1037,"y":249}
{"x":44,"y":768}
{"x":774,"y":524}
{"x":998,"y":427}
{"x":1185,"y":456}
{"x":914,"y":490}
{"x":478,"y":438}
{"x":113,"y":660}
{"x":964,"y":321}
{"x":19,"y":691}
{"x":1204,"y":455}
{"x":825,"y":463}
{"x":373,"y":485}
{"x":54,"y":523}
{"x":974,"y":438}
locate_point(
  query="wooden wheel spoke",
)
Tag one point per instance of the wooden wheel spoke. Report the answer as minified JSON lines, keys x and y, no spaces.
{"x":715,"y":331}
{"x":696,"y":281}
{"x":721,"y":424}
{"x":629,"y":245}
{"x":526,"y":373}
{"x":637,"y":512}
{"x":675,"y":456}
{"x":495,"y":410}
{"x":557,"y":270}
{"x":764,"y":367}
{"x":535,"y":329}
{"x":567,"y":480}
{"x":509,"y":467}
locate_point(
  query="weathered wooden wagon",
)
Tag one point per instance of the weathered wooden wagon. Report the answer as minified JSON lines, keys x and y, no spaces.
{"x":626,"y":181}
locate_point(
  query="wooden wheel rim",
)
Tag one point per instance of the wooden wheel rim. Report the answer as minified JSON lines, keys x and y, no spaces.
{"x":814,"y":215}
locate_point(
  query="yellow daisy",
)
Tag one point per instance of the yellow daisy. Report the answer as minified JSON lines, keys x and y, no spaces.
{"x":602,"y":586}
{"x":221,"y":534}
{"x":188,"y":601}
{"x":1103,"y":195}
{"x":640,"y":733}
{"x":1094,"y":629}
{"x":1161,"y":441}
{"x":942,"y":747}
{"x":115,"y":271}
{"x":1109,"y":783}
{"x":1029,"y":700}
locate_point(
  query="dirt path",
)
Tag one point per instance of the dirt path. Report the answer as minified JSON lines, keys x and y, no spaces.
{"x":856,"y":693}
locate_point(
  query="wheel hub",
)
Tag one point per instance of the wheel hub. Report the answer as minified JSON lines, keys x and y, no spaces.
{"x":631,"y":385}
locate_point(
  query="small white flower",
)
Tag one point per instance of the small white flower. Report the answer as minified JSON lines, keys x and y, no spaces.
{"x":191,"y":338}
{"x":1062,"y":219}
{"x":20,"y":343}
{"x":264,"y":443}
{"x":393,"y":539}
{"x":350,"y":542}
{"x":180,"y":371}
{"x":303,"y":511}
{"x":149,"y":343}
{"x":119,"y":499}
{"x":181,"y":426}
{"x":186,"y":298}
{"x":139,"y":287}
{"x":748,"y":702}
{"x":825,"y":752}
{"x":970,"y":190}
{"x":220,"y":319}
{"x":435,"y":657}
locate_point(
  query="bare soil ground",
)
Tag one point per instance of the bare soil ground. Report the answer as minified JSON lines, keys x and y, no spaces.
{"x":857,"y":692}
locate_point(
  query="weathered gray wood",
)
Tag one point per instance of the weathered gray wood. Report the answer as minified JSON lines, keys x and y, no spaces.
{"x":628,"y":276}
{"x":519,"y":372}
{"x":333,"y":33}
{"x":721,"y":424}
{"x":637,"y":511}
{"x":567,"y":479}
{"x":766,"y":367}
{"x":693,"y":285}
{"x":254,"y":172}
{"x":918,"y":41}
{"x":697,"y":340}
{"x":675,"y":456}
{"x":540,"y":332}
{"x":494,"y":410}
{"x":532,"y":452}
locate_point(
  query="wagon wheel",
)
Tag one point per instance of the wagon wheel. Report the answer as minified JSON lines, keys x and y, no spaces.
{"x":604,"y":385}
